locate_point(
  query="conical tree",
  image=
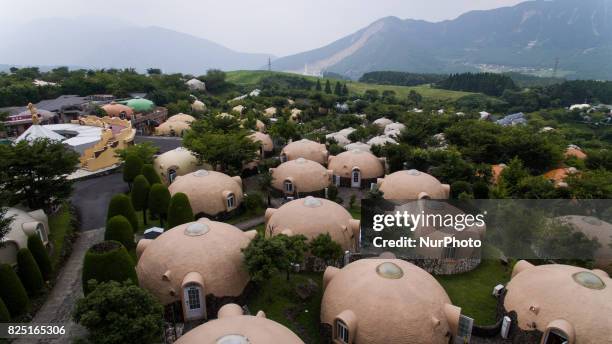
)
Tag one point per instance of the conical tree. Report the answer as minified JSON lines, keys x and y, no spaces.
{"x":345,"y":91}
{"x":118,"y":228}
{"x":179,"y":210}
{"x":121,"y":204}
{"x":149,"y":172}
{"x":12,"y":292}
{"x":5,"y":316}
{"x":140,"y":196}
{"x":318,"y":86}
{"x":108,"y":261}
{"x":159,"y":200}
{"x":328,"y":89}
{"x":338,"y":89}
{"x":35,"y":245}
{"x":28,"y":272}
{"x":131,"y":168}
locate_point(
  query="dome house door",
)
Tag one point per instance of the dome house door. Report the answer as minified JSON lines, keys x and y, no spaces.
{"x":195,"y":306}
{"x":356,"y":178}
{"x":556,"y":337}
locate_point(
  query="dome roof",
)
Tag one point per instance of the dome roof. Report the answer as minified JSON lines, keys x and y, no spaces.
{"x":140,"y":104}
{"x":265,"y":139}
{"x":382,"y":122}
{"x":208,"y":190}
{"x":306,"y":175}
{"x":198,"y":106}
{"x":270,"y":112}
{"x":232,"y":327}
{"x":312,"y":216}
{"x":261,"y":126}
{"x":306,"y":149}
{"x":115,"y":110}
{"x":594,"y":228}
{"x":181,"y":117}
{"x":339,"y":138}
{"x":412,"y":184}
{"x":180,"y":159}
{"x":545,"y":293}
{"x":367,"y":163}
{"x":392,"y":293}
{"x":381,"y":140}
{"x":358,"y":145}
{"x":210,"y":248}
{"x":172,"y":128}
{"x":394,"y":127}
{"x":575,"y":151}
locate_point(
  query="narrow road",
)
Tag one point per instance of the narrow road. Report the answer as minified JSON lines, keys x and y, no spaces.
{"x":91,"y":198}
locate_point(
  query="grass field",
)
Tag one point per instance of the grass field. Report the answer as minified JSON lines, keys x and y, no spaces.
{"x":243,"y":77}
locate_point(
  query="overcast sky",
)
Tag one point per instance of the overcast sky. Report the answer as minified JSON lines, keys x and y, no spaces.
{"x":280,"y":27}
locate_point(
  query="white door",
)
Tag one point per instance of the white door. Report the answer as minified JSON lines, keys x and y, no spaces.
{"x":356,"y":179}
{"x":195,"y":305}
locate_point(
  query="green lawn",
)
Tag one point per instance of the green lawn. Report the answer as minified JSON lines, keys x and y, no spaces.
{"x":472,"y":290}
{"x":355,"y":212}
{"x":279,"y":300}
{"x":60,"y":228}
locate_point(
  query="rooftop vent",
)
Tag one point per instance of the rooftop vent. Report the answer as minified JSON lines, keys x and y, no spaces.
{"x":196,"y":229}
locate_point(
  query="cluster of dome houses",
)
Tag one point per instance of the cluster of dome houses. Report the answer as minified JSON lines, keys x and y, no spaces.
{"x":198,"y":267}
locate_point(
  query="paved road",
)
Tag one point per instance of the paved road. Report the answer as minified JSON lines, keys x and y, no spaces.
{"x":164,"y":143}
{"x":91,"y":198}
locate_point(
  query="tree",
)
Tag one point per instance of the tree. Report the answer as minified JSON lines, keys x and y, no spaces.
{"x":295,"y":247}
{"x":481,"y":190}
{"x":131,"y":168}
{"x":40,"y":254}
{"x":5,"y":316}
{"x":118,"y":228}
{"x":227,"y":150}
{"x":345,"y":91}
{"x":145,"y":151}
{"x":149,"y":172}
{"x":107,"y":261}
{"x":121,"y":204}
{"x":12,"y":292}
{"x":591,"y":184}
{"x":459,"y":187}
{"x":338,"y":89}
{"x":328,"y":89}
{"x":159,"y":200}
{"x":324,"y":248}
{"x":179,"y":210}
{"x":5,"y":224}
{"x":154,"y":71}
{"x":35,"y":172}
{"x":214,"y":80}
{"x":28,"y":272}
{"x":414,"y":98}
{"x":115,"y":313}
{"x":262,"y":256}
{"x":140,"y":195}
{"x":318,"y":86}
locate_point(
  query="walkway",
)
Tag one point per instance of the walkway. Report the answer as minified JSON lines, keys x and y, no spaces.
{"x":60,"y":303}
{"x":250,"y":223}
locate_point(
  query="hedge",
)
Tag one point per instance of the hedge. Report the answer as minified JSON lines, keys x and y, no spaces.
{"x":149,"y":172}
{"x":131,"y":168}
{"x":40,"y":254}
{"x":121,"y":204}
{"x":5,"y":316}
{"x":140,"y":195}
{"x":12,"y":292}
{"x":28,"y":272}
{"x":179,"y":210}
{"x":118,"y":228}
{"x":159,"y":201}
{"x":107,"y":261}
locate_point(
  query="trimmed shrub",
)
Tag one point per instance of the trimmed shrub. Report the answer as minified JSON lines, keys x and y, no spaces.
{"x":121,"y":204}
{"x":481,"y":190}
{"x":179,"y":210}
{"x":159,"y":201}
{"x":118,"y":228}
{"x":12,"y":291}
{"x":107,"y":261}
{"x":149,"y":172}
{"x":131,"y":168}
{"x":140,"y":195}
{"x":254,"y":201}
{"x":28,"y":272}
{"x":459,"y":187}
{"x":40,"y":254}
{"x":5,"y":316}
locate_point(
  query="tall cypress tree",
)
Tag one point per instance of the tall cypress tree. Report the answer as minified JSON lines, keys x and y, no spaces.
{"x":318,"y":87}
{"x":338,"y":89}
{"x":179,"y":211}
{"x":159,"y":200}
{"x":140,"y":196}
{"x":328,"y":89}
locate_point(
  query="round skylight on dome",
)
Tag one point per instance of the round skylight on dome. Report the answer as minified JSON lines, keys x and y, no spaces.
{"x":592,"y":220}
{"x":300,"y":160}
{"x":312,"y":202}
{"x":233,"y":339}
{"x":200,"y":173}
{"x":589,"y":280}
{"x":413,"y":172}
{"x":389,"y":270}
{"x":197,"y":229}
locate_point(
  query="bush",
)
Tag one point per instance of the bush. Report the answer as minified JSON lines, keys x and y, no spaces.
{"x":480,"y":190}
{"x":12,"y":292}
{"x":121,"y":204}
{"x":28,"y":272}
{"x":118,"y":228}
{"x":140,"y":196}
{"x":5,"y":316}
{"x":149,"y":172}
{"x":107,"y":261}
{"x":179,"y":210}
{"x":39,"y":252}
{"x":131,"y":168}
{"x":459,"y":187}
{"x":332,"y":193}
{"x":253,"y":202}
{"x":159,"y":201}
{"x":116,"y":313}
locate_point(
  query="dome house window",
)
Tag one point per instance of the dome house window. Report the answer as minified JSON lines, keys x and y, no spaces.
{"x":342,"y":332}
{"x":231,"y":201}
{"x":288,"y":186}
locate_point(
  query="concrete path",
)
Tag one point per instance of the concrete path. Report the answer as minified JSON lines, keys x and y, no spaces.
{"x":60,"y":303}
{"x":248,"y":224}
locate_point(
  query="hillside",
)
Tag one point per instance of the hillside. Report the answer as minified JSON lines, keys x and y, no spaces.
{"x":528,"y":38}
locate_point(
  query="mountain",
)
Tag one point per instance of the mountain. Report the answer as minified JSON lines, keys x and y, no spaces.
{"x":103,"y":43}
{"x":529,"y":37}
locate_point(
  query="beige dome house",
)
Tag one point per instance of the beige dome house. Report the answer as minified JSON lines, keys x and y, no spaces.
{"x":270,"y":112}
{"x":356,"y":168}
{"x":118,"y":110}
{"x":195,"y":265}
{"x":594,"y":228}
{"x":306,"y":149}
{"x":300,"y":177}
{"x":312,"y":216}
{"x":560,"y":303}
{"x":210,"y":193}
{"x":233,"y":327}
{"x":174,"y":163}
{"x":382,"y":122}
{"x":267,"y":146}
{"x":175,"y":125}
{"x":198,"y":106}
{"x":23,"y":225}
{"x":260,"y":126}
{"x":383,"y":301}
{"x":412,"y":184}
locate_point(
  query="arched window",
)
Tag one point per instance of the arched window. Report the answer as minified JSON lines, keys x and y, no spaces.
{"x":342,"y":332}
{"x":171,"y":175}
{"x":288,"y":186}
{"x":556,"y":336}
{"x":231,"y":201}
{"x":40,"y":229}
{"x":283,"y":157}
